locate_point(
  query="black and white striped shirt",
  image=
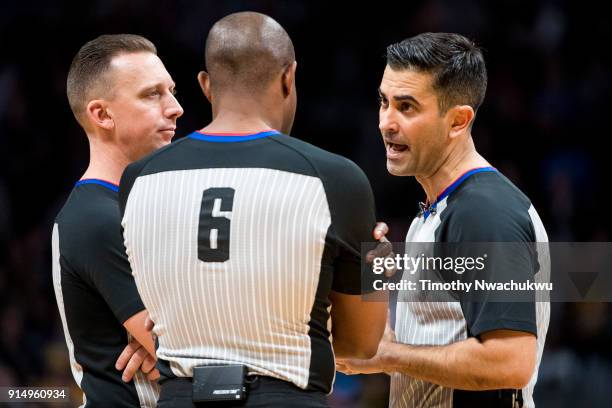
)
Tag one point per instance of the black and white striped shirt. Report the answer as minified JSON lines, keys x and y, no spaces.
{"x":480,"y":206}
{"x":96,"y":294}
{"x":236,"y":241}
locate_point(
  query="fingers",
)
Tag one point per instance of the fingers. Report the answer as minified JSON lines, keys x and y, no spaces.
{"x":134,"y":357}
{"x":389,"y":272}
{"x":153,"y":375}
{"x":380,"y":230}
{"x":134,"y":364}
{"x":343,"y":368}
{"x":149,"y":324}
{"x":383,"y":249}
{"x":148,"y":364}
{"x":126,"y":354}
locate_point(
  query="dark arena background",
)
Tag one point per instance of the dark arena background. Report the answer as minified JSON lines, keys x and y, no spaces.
{"x":543,"y":124}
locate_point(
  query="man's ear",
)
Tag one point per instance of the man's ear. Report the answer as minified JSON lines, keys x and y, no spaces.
{"x":461,"y":118}
{"x":204,"y":80}
{"x":288,"y":79}
{"x":98,"y":115}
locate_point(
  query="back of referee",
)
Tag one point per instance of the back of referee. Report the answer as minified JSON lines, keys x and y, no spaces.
{"x":240,"y":238}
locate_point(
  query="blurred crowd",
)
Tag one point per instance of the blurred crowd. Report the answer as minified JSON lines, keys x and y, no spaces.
{"x":541,"y":125}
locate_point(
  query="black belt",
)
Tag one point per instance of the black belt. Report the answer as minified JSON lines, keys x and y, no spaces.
{"x":490,"y":399}
{"x":258,"y":383}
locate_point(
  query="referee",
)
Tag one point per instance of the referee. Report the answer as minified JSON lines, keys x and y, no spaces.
{"x":122,"y":96}
{"x":465,"y":353}
{"x":240,"y":238}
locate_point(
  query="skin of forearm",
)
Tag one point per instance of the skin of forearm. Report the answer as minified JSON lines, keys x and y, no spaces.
{"x":347,"y":350}
{"x":465,"y":365}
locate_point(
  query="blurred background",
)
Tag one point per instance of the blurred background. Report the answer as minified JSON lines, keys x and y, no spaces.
{"x":542,"y":125}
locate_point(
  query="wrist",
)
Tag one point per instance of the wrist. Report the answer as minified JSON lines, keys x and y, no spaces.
{"x":387,"y":356}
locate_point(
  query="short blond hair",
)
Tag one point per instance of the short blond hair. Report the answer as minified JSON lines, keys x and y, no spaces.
{"x":92,"y":62}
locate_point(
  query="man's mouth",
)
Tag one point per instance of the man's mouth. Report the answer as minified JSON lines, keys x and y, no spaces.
{"x":395,"y":150}
{"x":168,"y":132}
{"x":396,"y":147}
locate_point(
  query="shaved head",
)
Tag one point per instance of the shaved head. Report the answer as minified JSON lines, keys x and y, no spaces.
{"x":246,"y":51}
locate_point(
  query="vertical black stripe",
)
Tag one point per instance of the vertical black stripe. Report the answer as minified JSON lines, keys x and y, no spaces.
{"x":165,"y":372}
{"x":322,"y":364}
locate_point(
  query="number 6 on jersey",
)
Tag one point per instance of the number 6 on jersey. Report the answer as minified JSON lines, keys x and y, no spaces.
{"x":214,"y":226}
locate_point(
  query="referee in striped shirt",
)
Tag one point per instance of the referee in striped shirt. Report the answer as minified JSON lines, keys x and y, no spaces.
{"x":466,"y":353}
{"x":122,"y":96}
{"x":241,"y":239}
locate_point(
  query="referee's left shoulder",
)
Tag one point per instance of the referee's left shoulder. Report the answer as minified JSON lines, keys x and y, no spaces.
{"x":497,"y":213}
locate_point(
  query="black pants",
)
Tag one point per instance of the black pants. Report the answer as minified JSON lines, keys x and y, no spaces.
{"x":263,"y":392}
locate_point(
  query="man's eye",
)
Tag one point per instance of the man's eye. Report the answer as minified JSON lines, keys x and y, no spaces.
{"x":382,"y":101}
{"x":404,"y":107}
{"x":154,"y":93}
{"x":173,"y":91}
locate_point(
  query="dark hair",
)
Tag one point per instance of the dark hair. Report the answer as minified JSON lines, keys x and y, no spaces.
{"x":92,"y":62}
{"x":456,"y":64}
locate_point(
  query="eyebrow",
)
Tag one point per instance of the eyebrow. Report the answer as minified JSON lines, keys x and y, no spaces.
{"x":401,"y":97}
{"x":155,"y":86}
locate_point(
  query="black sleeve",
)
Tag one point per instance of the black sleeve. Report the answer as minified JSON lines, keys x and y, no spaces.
{"x":506,"y":236}
{"x":108,"y":267}
{"x":353,"y":216}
